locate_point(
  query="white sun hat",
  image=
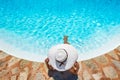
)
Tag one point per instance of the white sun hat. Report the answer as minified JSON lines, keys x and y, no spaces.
{"x":62,"y":57}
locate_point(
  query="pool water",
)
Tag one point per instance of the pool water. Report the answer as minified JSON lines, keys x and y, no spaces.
{"x":35,"y":26}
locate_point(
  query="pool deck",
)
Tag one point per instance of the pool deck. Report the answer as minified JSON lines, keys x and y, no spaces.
{"x":104,"y":67}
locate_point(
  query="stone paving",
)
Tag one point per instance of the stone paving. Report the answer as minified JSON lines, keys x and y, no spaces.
{"x":104,"y":67}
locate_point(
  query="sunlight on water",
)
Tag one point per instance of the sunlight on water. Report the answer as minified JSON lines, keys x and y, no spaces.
{"x":36,"y":25}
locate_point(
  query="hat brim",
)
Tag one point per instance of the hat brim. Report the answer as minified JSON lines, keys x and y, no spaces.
{"x":72,"y":57}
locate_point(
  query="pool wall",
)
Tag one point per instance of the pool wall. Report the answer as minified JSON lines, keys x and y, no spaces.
{"x":115,"y":42}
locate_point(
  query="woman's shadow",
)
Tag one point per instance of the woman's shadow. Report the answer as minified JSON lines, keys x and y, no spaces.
{"x":65,"y":75}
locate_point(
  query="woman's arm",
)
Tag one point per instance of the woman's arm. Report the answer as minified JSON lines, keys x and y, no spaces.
{"x":76,"y":65}
{"x":47,"y":64}
{"x":75,"y":68}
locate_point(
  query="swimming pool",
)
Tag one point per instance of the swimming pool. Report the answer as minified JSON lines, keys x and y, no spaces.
{"x":28,"y":28}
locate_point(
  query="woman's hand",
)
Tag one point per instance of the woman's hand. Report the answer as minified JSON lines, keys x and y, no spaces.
{"x":76,"y":65}
{"x":46,"y":60}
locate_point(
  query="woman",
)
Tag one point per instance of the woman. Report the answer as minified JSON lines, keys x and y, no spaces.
{"x":62,"y":60}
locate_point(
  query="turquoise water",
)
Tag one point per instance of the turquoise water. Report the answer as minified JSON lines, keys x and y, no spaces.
{"x":37,"y":25}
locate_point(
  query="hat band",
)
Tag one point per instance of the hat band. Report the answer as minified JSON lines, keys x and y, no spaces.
{"x":62,"y":63}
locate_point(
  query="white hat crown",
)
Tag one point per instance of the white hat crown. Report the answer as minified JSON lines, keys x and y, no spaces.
{"x":61,"y":55}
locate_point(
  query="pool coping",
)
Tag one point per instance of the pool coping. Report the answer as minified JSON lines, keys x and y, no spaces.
{"x":114,"y":43}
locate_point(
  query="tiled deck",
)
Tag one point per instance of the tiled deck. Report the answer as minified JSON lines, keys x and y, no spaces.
{"x":105,"y":67}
